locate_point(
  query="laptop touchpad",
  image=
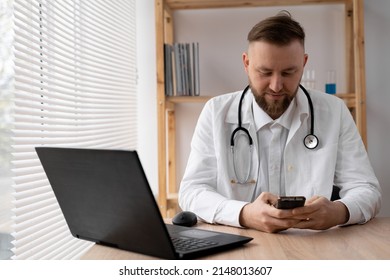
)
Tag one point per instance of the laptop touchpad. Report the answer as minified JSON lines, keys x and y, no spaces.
{"x":197,"y":233}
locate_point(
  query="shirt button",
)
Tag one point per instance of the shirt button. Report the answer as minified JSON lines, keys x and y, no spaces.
{"x":290,"y":168}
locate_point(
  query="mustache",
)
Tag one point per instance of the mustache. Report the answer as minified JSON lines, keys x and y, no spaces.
{"x":275,"y":93}
{"x":283,"y":91}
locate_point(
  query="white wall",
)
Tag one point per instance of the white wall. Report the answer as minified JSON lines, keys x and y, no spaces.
{"x":220,"y":74}
{"x":377,"y":26}
{"x":147,"y":109}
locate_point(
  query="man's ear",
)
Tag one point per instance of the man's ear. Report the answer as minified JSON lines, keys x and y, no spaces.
{"x":306,"y":57}
{"x":245,"y":60}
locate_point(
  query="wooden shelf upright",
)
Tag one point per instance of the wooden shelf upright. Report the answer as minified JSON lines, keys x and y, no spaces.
{"x":355,"y":96}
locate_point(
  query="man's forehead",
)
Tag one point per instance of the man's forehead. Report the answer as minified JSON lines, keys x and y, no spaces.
{"x":269,"y":45}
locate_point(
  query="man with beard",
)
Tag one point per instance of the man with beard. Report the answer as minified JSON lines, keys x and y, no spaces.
{"x":251,"y":147}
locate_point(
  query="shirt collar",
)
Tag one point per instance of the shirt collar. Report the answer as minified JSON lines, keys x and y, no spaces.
{"x":262,"y":118}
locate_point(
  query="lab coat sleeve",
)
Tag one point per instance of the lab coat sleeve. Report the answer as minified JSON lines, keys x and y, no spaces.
{"x":360,"y":189}
{"x":198,"y":190}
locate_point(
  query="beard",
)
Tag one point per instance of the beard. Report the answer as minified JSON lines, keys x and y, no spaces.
{"x":274,"y":108}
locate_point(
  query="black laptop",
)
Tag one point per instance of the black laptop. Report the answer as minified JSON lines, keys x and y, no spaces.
{"x":105,"y":198}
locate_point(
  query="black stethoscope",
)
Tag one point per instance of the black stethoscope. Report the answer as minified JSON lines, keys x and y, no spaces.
{"x":310,"y":141}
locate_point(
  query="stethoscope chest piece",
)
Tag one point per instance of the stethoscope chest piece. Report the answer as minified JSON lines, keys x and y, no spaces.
{"x":311,"y":141}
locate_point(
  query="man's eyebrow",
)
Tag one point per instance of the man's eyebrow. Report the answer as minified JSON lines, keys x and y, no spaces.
{"x":292,"y":68}
{"x":266,"y":69}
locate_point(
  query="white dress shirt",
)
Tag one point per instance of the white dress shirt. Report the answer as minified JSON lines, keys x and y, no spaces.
{"x":271,"y":138}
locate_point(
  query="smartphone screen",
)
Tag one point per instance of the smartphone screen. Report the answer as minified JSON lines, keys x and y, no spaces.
{"x":290,"y":202}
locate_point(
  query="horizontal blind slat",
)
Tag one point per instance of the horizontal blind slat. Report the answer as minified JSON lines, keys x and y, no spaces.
{"x":56,"y":123}
{"x":27,"y":53}
{"x":68,"y":73}
{"x":73,"y":115}
{"x":44,"y":53}
{"x":21,"y":210}
{"x":22,"y":216}
{"x":51,"y":95}
{"x":47,"y":223}
{"x":29,"y":75}
{"x":72,"y":38}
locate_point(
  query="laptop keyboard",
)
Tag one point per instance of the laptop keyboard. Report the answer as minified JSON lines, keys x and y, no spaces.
{"x":188,"y":244}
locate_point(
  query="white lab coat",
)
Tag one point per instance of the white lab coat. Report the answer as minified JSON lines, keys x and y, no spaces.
{"x":209,"y":188}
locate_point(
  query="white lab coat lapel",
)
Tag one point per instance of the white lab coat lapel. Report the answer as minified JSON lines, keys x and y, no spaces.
{"x":300,"y":127}
{"x":301,"y":114}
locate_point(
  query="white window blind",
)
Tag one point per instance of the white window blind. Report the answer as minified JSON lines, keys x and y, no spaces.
{"x":75,"y":86}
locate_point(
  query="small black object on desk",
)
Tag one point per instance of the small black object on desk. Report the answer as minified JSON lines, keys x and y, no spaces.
{"x":185,"y":218}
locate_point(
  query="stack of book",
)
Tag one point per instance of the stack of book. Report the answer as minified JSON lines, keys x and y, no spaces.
{"x":181,"y":62}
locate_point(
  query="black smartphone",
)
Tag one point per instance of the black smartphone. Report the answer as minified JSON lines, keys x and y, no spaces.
{"x":290,"y":202}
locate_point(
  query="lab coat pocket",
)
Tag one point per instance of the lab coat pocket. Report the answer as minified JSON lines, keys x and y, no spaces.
{"x":243,"y":192}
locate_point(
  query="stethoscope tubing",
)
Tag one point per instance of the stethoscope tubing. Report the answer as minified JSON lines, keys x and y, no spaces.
{"x":310,"y":108}
{"x":240,"y":127}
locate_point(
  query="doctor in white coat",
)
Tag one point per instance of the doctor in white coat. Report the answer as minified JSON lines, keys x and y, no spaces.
{"x":234,"y":178}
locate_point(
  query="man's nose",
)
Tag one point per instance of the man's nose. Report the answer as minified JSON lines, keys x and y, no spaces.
{"x":276,"y":83}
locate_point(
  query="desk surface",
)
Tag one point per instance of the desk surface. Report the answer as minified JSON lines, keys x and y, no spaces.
{"x":368,"y":241}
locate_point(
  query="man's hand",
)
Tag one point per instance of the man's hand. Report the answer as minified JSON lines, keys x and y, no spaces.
{"x":319,"y":213}
{"x":263,"y":216}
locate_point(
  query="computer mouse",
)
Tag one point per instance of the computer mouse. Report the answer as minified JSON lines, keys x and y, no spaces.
{"x":185,"y":218}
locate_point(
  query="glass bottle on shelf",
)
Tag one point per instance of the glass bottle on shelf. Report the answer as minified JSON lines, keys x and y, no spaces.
{"x":309,"y":79}
{"x":330,"y":86}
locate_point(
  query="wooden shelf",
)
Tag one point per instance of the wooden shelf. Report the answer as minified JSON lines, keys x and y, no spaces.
{"x":188,"y":99}
{"x":354,"y":99}
{"x":209,"y":4}
{"x":349,"y":99}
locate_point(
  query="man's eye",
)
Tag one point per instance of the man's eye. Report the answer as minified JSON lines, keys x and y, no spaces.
{"x":288,"y":73}
{"x":265,"y":73}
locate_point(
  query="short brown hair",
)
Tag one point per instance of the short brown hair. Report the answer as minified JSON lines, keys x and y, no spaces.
{"x":280,"y":29}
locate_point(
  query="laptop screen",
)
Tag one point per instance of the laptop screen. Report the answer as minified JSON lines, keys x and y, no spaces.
{"x":105,"y":198}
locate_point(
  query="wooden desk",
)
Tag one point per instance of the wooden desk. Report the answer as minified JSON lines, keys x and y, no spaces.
{"x":368,"y":241}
